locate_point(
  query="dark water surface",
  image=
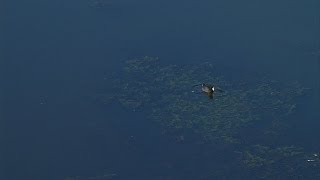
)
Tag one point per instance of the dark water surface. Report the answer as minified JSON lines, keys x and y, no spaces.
{"x":55,"y":56}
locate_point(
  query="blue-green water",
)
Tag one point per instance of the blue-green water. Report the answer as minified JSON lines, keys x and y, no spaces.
{"x":55,"y":55}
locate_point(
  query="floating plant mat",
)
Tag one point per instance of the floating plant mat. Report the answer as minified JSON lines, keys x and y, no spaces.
{"x":247,"y":114}
{"x":166,"y":93}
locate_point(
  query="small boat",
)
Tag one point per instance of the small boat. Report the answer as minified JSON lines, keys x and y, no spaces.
{"x":208,"y":89}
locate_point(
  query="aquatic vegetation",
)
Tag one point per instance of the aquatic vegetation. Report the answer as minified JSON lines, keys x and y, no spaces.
{"x":166,"y":92}
{"x":280,"y":162}
{"x":246,"y":114}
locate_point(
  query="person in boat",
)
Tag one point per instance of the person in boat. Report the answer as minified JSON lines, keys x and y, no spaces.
{"x":208,"y":89}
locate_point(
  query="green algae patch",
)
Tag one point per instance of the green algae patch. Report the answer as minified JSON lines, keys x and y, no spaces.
{"x":249,"y":117}
{"x":283,"y":162}
{"x":165,"y":93}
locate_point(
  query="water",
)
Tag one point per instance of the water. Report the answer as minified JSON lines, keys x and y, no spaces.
{"x":56,"y":54}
